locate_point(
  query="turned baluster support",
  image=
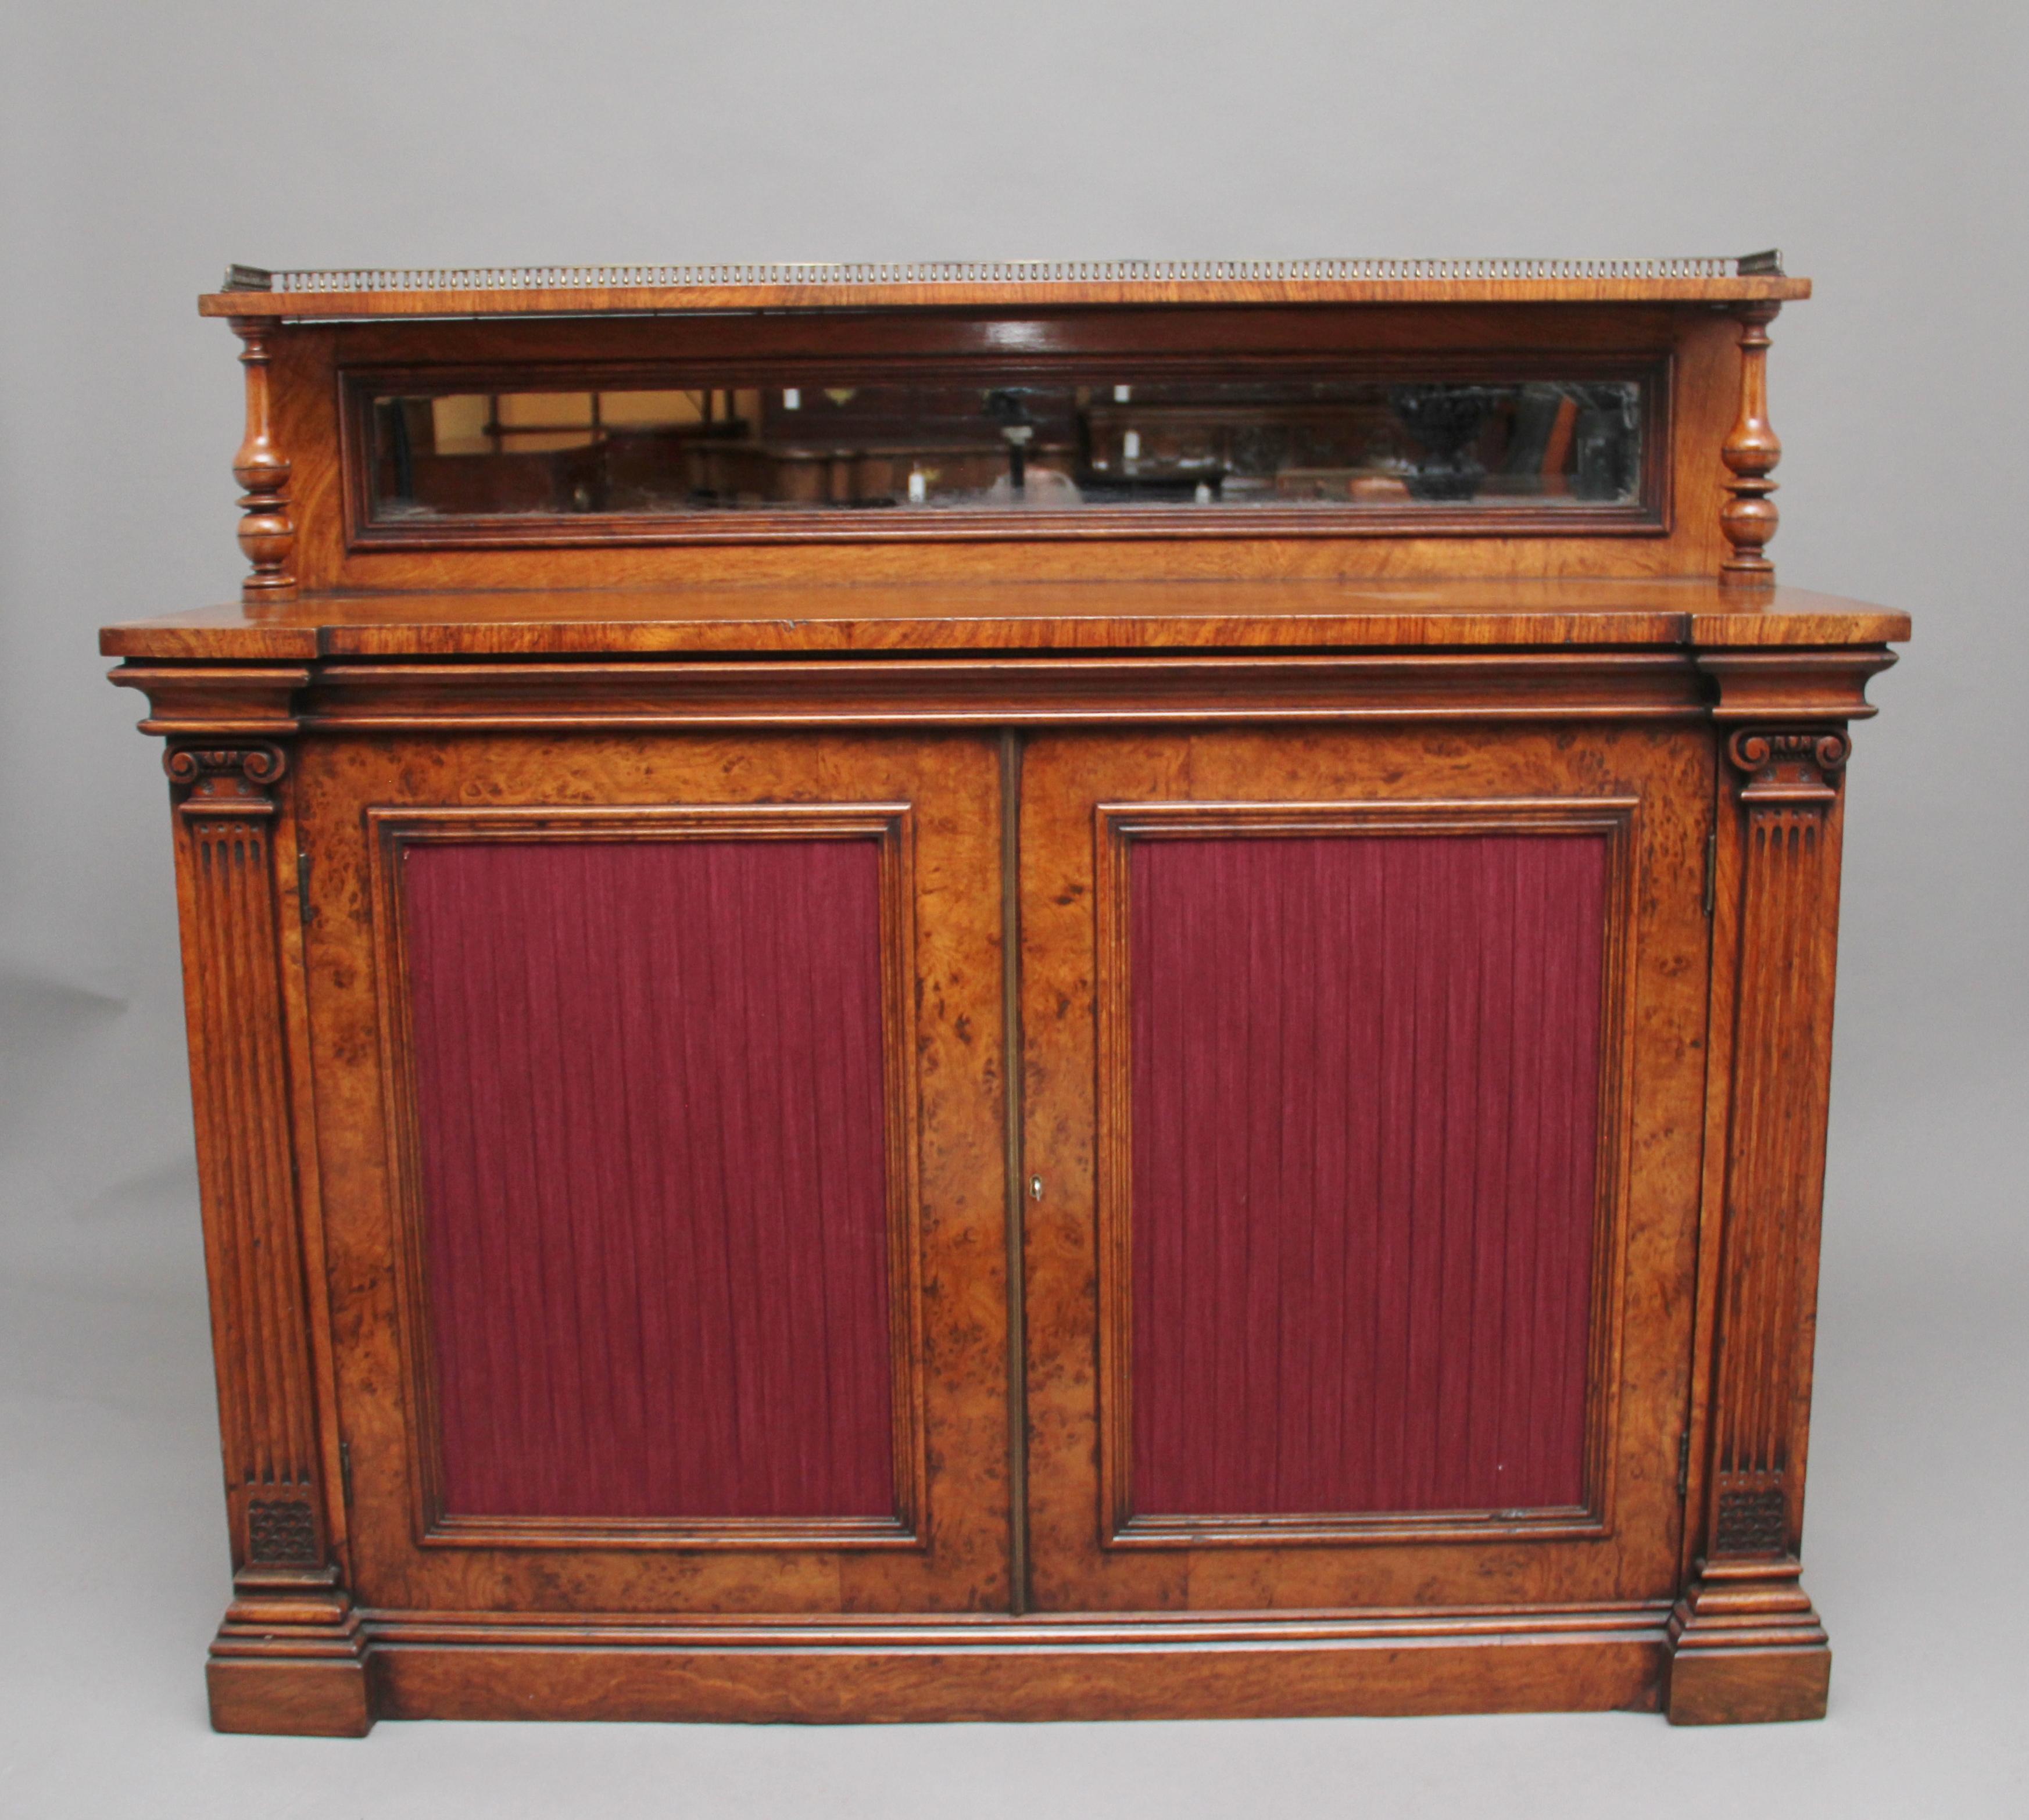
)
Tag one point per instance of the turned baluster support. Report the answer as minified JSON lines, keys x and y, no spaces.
{"x":1751,"y":451}
{"x":267,"y":532}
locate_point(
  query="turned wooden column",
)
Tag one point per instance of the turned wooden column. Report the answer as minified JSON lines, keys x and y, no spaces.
{"x":288,"y":1655}
{"x":1747,"y":1642}
{"x":1750,"y":452}
{"x":267,"y":528}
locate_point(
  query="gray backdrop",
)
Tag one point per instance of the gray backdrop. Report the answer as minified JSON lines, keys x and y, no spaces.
{"x":1882,"y":146}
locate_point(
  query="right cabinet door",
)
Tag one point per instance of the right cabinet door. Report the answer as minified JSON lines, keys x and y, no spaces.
{"x":1364,"y":1093}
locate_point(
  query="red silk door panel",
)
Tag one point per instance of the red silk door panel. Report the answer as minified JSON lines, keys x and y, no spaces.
{"x":1339,"y":1061}
{"x":1364,"y":1095}
{"x":670,"y":1149}
{"x":655,"y":1201}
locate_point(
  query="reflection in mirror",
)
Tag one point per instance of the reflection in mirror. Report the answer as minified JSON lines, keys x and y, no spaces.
{"x":1048,"y":445}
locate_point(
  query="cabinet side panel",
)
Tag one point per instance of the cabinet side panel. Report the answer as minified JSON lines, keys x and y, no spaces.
{"x":1366,"y":1091}
{"x":649,"y":1101}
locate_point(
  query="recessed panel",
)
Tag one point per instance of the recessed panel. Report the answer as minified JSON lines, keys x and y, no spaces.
{"x":1365,"y":1086}
{"x":649,"y":1108}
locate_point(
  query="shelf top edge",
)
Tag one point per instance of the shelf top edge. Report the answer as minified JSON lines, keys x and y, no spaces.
{"x":253,"y":291}
{"x":1011,"y":620}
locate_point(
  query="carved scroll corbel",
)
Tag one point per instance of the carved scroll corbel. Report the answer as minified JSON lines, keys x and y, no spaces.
{"x":1751,"y":451}
{"x":267,"y":532}
{"x":230,"y":781}
{"x":1788,"y":767}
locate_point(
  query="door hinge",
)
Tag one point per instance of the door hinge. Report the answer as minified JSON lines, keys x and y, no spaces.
{"x":1684,"y":1463}
{"x":303,"y":884}
{"x":1711,"y":869}
{"x":345,"y":1471}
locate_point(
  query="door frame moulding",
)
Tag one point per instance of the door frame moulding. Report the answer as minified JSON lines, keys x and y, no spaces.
{"x":1615,"y":819}
{"x":393,"y":830}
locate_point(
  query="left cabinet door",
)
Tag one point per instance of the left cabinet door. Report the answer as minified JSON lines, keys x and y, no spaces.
{"x":658,"y":1095}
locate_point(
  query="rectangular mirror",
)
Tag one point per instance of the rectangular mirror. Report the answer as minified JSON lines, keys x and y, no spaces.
{"x":935,"y":444}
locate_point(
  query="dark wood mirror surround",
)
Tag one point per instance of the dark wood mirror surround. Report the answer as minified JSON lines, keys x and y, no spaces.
{"x":1010,"y":1094}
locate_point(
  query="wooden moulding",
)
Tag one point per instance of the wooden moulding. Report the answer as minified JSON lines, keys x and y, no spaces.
{"x":1085,"y":1667}
{"x":1037,"y":691}
{"x":272,"y":701}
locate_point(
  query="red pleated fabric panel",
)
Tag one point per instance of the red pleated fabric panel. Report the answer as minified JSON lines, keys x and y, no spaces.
{"x":649,"y":1089}
{"x":1365,"y":1092}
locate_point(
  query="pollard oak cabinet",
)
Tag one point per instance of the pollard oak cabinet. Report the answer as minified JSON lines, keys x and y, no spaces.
{"x":1012,"y":992}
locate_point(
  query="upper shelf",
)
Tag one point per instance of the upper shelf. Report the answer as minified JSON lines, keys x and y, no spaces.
{"x":568,"y":428}
{"x":251,"y":292}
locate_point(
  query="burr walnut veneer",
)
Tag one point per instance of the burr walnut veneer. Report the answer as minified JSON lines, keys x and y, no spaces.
{"x":1015,"y":993}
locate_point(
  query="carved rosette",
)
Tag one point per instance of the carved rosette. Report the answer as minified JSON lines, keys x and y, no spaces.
{"x":267,"y":532}
{"x":1751,"y":451}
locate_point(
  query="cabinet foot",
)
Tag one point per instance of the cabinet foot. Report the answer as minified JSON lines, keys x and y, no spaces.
{"x":1745,"y":1687}
{"x":312,"y":1699}
{"x":1747,"y":1648}
{"x":291,"y":1664}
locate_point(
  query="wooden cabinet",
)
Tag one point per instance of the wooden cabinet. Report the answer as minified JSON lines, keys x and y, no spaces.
{"x":1029,"y":1095}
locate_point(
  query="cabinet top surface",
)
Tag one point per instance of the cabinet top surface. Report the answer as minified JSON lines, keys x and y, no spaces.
{"x":1010,"y":617}
{"x":251,"y":291}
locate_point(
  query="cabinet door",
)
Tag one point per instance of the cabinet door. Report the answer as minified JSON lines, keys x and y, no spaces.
{"x":657,"y":1083}
{"x":1364,"y":1089}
